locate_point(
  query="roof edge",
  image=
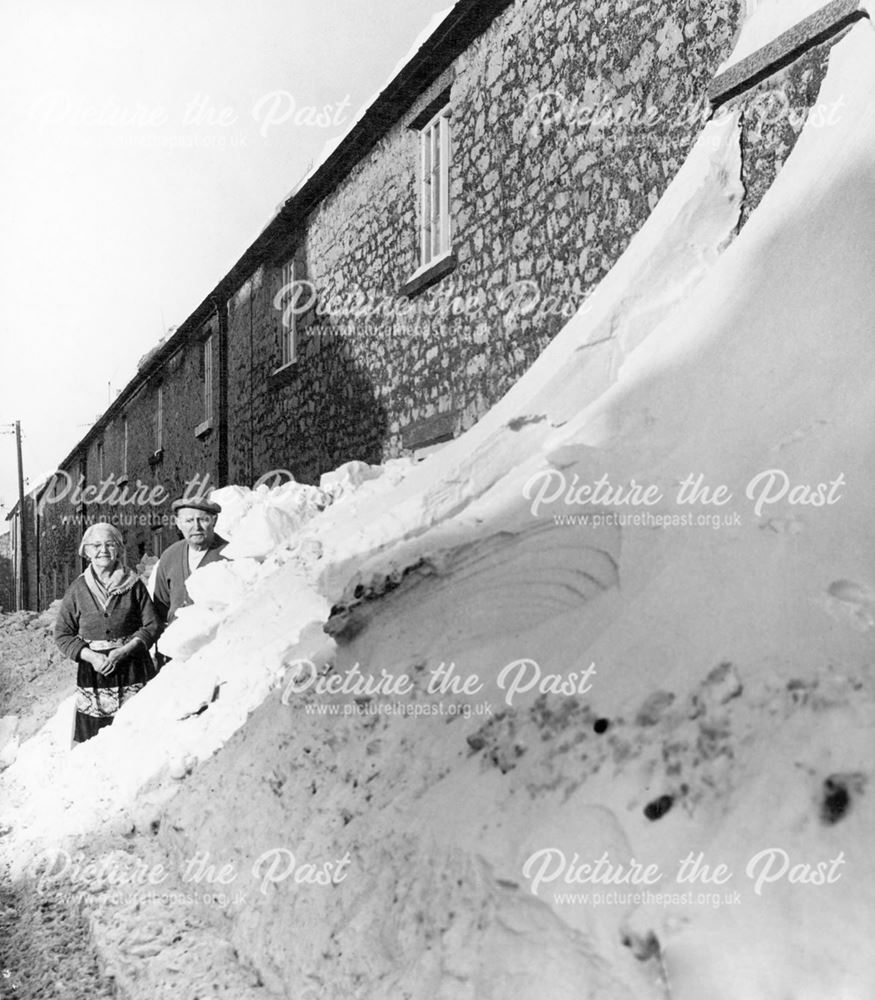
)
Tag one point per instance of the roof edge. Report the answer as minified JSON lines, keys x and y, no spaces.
{"x":465,"y":22}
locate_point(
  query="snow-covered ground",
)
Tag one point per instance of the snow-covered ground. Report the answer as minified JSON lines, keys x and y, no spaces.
{"x":653,"y":567}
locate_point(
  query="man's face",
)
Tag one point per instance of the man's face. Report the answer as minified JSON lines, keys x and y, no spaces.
{"x":197,"y":526}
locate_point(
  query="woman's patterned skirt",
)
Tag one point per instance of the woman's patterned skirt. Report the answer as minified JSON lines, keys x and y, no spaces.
{"x":98,"y":698}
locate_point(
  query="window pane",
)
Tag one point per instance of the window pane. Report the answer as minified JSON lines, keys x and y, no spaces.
{"x":434,"y":188}
{"x":426,"y":154}
{"x":287,"y":317}
{"x":208,"y":378}
{"x":437,"y":189}
{"x":436,"y":147}
{"x":444,"y":209}
{"x":423,"y":198}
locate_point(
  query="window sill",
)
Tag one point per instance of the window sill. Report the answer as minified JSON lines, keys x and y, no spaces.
{"x":283,"y":375}
{"x":421,"y":454}
{"x":429,"y":275}
{"x":203,"y":429}
{"x":436,"y":429}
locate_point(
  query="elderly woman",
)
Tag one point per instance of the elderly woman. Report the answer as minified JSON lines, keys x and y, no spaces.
{"x":106,"y":624}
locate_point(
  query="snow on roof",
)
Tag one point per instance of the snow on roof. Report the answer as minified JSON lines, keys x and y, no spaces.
{"x":765,"y":20}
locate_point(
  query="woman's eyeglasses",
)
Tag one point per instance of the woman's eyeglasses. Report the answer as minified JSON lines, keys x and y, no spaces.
{"x":96,"y":546}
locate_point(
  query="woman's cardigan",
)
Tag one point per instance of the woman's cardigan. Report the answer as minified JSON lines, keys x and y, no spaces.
{"x":81,"y":620}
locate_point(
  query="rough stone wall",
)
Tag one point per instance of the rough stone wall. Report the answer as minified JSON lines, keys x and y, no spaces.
{"x":315,"y":415}
{"x":252,"y":356}
{"x":59,"y":536}
{"x":7,"y":582}
{"x":186,"y":455}
{"x":773,"y":114}
{"x":569,"y":120}
{"x":33,"y":596}
{"x":580,"y":115}
{"x":11,"y":540}
{"x":183,"y":456}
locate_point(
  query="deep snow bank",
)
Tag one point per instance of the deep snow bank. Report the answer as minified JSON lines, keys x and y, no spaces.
{"x":730,"y":714}
{"x":733,"y":692}
{"x":226,"y":657}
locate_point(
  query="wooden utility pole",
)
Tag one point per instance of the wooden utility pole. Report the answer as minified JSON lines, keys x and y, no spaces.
{"x":22,"y":525}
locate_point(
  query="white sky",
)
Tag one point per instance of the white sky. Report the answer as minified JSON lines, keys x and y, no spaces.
{"x":112,"y":230}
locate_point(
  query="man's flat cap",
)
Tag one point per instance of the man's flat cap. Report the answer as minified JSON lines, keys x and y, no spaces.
{"x":197,"y":503}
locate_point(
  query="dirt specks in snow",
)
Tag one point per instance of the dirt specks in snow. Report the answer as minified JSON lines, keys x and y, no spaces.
{"x":836,"y":801}
{"x":499,"y":739}
{"x":837,"y":797}
{"x":643,"y":946}
{"x":852,"y":602}
{"x":658,"y":807}
{"x":349,"y":616}
{"x":791,"y":525}
{"x":800,"y":691}
{"x":684,"y":743}
{"x":654,"y":708}
{"x":721,"y":686}
{"x":519,"y":422}
{"x":476,"y":741}
{"x":275,"y":782}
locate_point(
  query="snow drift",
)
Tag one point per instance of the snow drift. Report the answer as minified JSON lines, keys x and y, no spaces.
{"x":674,"y":503}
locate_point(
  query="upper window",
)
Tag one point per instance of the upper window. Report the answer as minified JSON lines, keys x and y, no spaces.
{"x":286,"y":304}
{"x":159,"y":418}
{"x":125,"y":441}
{"x":208,"y":379}
{"x":205,"y":356}
{"x":434,"y":199}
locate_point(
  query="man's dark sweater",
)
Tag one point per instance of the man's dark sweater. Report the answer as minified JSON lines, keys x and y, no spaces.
{"x":170,"y":590}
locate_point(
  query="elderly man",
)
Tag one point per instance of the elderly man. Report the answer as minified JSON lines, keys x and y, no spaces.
{"x":195,"y":518}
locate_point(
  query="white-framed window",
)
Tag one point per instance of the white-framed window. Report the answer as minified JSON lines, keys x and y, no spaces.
{"x":288,"y":332}
{"x":208,"y":379}
{"x":101,"y":462}
{"x":159,"y":417}
{"x":125,"y":441}
{"x":435,"y":146}
{"x":157,"y":542}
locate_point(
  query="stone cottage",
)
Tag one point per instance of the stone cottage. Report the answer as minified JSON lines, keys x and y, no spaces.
{"x":422,"y":265}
